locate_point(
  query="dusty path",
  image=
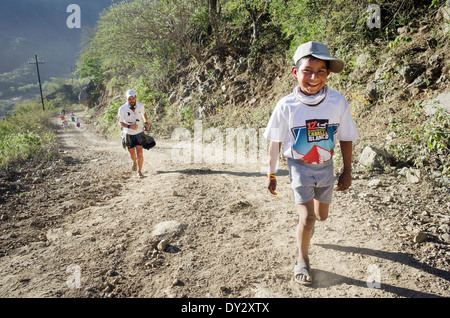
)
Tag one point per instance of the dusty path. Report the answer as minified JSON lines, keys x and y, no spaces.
{"x":91,"y":218}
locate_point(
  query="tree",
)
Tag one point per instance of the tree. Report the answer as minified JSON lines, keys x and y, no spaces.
{"x":179,"y":21}
{"x":256,"y":10}
{"x":157,"y":20}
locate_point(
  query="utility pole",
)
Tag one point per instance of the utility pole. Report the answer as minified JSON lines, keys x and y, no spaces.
{"x":39,"y":78}
{"x":73,"y":68}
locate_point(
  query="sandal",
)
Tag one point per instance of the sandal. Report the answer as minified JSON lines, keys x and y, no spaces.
{"x":134,"y":166}
{"x":302,"y":270}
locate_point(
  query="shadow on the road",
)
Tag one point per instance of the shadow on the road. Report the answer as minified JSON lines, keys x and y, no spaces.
{"x":212,"y":172}
{"x":330,"y":279}
{"x":324,"y":279}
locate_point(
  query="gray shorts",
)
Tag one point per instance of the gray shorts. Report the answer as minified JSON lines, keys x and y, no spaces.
{"x":311,"y":181}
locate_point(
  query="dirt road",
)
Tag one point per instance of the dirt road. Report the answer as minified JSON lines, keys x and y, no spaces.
{"x":87,"y":227}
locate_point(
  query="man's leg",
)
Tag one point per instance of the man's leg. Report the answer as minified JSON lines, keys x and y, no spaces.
{"x":140,"y":157}
{"x":132,"y":152}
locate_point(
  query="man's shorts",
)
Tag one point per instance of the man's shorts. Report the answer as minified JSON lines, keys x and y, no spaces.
{"x":141,"y":139}
{"x":131,"y":141}
{"x":311,"y":181}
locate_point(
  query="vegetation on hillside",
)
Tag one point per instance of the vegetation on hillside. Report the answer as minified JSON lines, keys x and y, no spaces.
{"x":157,"y":47}
{"x":145,"y":44}
{"x":149,"y":38}
{"x":27,"y":134}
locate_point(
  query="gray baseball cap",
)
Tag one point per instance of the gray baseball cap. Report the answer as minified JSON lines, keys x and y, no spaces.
{"x":320,"y":51}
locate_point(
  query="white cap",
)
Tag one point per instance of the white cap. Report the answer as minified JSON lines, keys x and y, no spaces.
{"x":131,"y":93}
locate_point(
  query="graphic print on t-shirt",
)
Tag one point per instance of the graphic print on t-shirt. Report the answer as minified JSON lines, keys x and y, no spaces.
{"x":314,"y":143}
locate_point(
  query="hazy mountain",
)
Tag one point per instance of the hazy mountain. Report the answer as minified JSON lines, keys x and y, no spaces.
{"x":30,"y":27}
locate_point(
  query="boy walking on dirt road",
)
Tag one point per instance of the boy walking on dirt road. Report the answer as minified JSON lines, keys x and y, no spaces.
{"x":309,"y":121}
{"x":130,"y":117}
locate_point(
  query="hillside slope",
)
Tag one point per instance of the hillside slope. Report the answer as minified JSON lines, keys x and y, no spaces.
{"x":390,"y":86}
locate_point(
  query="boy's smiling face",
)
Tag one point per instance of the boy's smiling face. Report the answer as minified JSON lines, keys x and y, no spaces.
{"x":311,"y":75}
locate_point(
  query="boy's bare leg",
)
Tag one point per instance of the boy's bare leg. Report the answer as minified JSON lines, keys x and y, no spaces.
{"x":321,"y":210}
{"x":309,"y":212}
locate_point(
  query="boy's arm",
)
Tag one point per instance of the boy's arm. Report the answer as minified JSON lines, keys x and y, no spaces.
{"x":345,"y":179}
{"x":274,"y":152}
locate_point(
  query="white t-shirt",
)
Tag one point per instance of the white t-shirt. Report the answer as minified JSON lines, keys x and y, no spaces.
{"x":126,"y":115}
{"x":310,"y":132}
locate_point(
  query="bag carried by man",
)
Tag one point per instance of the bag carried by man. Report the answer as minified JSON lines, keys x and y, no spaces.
{"x":143,"y":139}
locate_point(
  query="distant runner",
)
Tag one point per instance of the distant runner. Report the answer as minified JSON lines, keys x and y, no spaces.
{"x":63,"y":121}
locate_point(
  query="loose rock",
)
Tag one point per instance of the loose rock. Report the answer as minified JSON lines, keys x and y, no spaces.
{"x":162,"y":245}
{"x":375,"y":183}
{"x":420,"y":237}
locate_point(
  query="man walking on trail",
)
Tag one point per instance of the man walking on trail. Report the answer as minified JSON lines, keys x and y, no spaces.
{"x":130,"y":118}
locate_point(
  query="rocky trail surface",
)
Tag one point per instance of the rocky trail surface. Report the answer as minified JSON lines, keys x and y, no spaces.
{"x":85,"y":226}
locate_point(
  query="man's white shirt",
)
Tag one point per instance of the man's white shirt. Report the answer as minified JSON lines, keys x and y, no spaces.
{"x":126,"y":115}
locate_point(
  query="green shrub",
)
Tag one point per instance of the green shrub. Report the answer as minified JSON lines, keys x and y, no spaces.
{"x":26,"y":135}
{"x":421,"y":140}
{"x":110,"y":113}
{"x":432,"y":139}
